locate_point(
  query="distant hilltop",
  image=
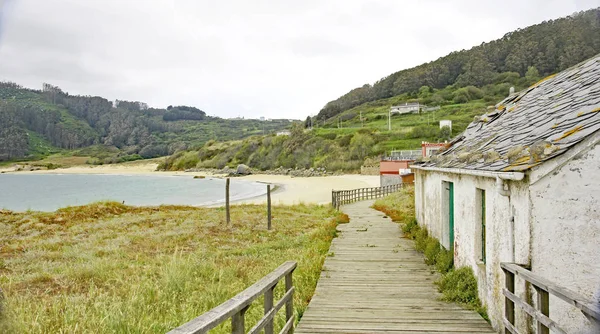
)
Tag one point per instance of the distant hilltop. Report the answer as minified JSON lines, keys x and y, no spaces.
{"x":548,"y":47}
{"x":36,"y":123}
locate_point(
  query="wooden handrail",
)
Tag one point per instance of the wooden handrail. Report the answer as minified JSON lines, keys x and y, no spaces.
{"x":341,"y":197}
{"x":544,"y":287}
{"x":235,"y":307}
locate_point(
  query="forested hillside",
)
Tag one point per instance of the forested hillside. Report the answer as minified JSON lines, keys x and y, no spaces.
{"x":35,"y":123}
{"x":548,"y":47}
{"x":463,"y":84}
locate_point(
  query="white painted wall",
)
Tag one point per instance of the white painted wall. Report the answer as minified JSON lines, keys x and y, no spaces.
{"x":566,"y":234}
{"x":551,"y":222}
{"x":431,"y":212}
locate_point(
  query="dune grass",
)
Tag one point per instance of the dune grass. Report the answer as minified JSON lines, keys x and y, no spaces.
{"x":111,"y":268}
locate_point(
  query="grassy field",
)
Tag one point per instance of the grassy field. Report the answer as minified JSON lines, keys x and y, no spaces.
{"x":110,"y":268}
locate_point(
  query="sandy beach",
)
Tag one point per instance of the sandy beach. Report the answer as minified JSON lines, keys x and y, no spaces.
{"x":290,"y":190}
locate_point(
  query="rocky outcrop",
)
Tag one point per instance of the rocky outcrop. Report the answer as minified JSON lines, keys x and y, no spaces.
{"x":243,"y":170}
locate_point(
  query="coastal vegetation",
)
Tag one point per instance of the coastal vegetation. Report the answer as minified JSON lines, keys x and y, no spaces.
{"x":463,"y":85}
{"x":549,"y":47}
{"x":107,"y":267}
{"x":37,"y":123}
{"x":457,"y":285}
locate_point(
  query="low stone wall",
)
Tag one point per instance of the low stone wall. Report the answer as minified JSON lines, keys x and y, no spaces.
{"x":369,"y":170}
{"x":389,"y":179}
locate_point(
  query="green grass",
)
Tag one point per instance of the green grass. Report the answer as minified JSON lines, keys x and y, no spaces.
{"x":456,"y":285}
{"x":110,"y":268}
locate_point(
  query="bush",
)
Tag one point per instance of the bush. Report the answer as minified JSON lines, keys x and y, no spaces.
{"x":410,"y":228}
{"x":421,"y":239}
{"x":459,"y":286}
{"x":344,"y":141}
{"x":444,"y":261}
{"x":188,"y":160}
{"x":432,"y":250}
{"x":328,"y":135}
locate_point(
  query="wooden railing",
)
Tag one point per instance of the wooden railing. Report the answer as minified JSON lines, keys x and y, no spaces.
{"x":544,"y":288}
{"x":341,"y":197}
{"x":236,"y":307}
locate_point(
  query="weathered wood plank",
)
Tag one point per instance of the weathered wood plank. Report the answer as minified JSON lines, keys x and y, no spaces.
{"x":571,"y":297}
{"x":235,"y":307}
{"x":535,"y":314}
{"x":375,"y":282}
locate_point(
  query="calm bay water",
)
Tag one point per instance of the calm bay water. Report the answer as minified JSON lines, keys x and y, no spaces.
{"x":48,"y":192}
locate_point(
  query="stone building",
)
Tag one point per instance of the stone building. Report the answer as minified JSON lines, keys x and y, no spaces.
{"x":522,"y":185}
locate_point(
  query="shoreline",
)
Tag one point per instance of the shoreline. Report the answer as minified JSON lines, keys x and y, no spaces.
{"x":290,"y":190}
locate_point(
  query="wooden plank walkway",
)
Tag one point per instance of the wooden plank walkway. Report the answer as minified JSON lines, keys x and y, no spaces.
{"x":375,"y":282}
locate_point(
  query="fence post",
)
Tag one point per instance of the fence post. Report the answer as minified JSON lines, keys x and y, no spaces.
{"x":543,"y":301}
{"x":237,"y":322}
{"x":289,"y":305}
{"x":268,"y":308}
{"x":269,"y":215}
{"x":227,"y":214}
{"x":509,"y":305}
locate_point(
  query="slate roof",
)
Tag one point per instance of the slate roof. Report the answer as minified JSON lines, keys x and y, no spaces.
{"x":531,"y":126}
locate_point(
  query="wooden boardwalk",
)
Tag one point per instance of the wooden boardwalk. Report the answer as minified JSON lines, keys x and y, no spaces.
{"x":375,"y":282}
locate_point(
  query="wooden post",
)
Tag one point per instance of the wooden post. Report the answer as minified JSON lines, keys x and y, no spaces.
{"x":269,"y":217}
{"x":509,"y":305}
{"x":269,"y":307}
{"x":543,"y":301}
{"x":237,"y":321}
{"x":289,"y":305}
{"x":227,"y":213}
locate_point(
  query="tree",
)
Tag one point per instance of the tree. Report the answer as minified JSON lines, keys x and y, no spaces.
{"x":425,"y":92}
{"x":532,"y":74}
{"x":308,"y":123}
{"x":445,"y":133}
{"x":360,"y":146}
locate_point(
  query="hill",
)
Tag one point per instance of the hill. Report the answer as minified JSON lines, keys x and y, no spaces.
{"x":548,"y":47}
{"x":36,"y":123}
{"x":463,"y":85}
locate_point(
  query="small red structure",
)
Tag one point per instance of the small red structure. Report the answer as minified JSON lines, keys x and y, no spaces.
{"x":431,"y":148}
{"x":394,"y":169}
{"x":393,"y":166}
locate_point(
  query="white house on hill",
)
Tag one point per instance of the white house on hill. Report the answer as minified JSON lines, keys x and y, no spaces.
{"x":522,"y":186}
{"x":406,"y":108}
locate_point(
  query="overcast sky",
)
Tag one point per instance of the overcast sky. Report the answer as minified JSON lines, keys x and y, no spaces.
{"x":277,"y":58}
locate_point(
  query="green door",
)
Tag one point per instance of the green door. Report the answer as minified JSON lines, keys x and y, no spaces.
{"x":451,"y":213}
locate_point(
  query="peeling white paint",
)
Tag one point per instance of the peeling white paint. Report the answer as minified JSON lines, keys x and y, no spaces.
{"x":552,"y":225}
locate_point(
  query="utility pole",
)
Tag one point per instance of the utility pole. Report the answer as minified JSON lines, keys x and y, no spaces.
{"x":361,"y":120}
{"x":390,"y":120}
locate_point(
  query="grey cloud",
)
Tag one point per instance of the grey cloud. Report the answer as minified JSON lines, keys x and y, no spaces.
{"x":238,"y":57}
{"x":314,"y":46}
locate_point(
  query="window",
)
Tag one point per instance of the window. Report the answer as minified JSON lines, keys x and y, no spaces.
{"x":447,"y":239}
{"x":481,"y":220}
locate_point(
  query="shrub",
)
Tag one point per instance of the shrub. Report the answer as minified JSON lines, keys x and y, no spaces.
{"x":459,"y":286}
{"x":432,"y":250}
{"x":410,"y":228}
{"x":328,"y":135}
{"x":444,"y":261}
{"x":342,"y":218}
{"x":188,"y":160}
{"x":421,"y":239}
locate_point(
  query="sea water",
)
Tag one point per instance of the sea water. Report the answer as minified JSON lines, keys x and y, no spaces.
{"x":48,"y":192}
